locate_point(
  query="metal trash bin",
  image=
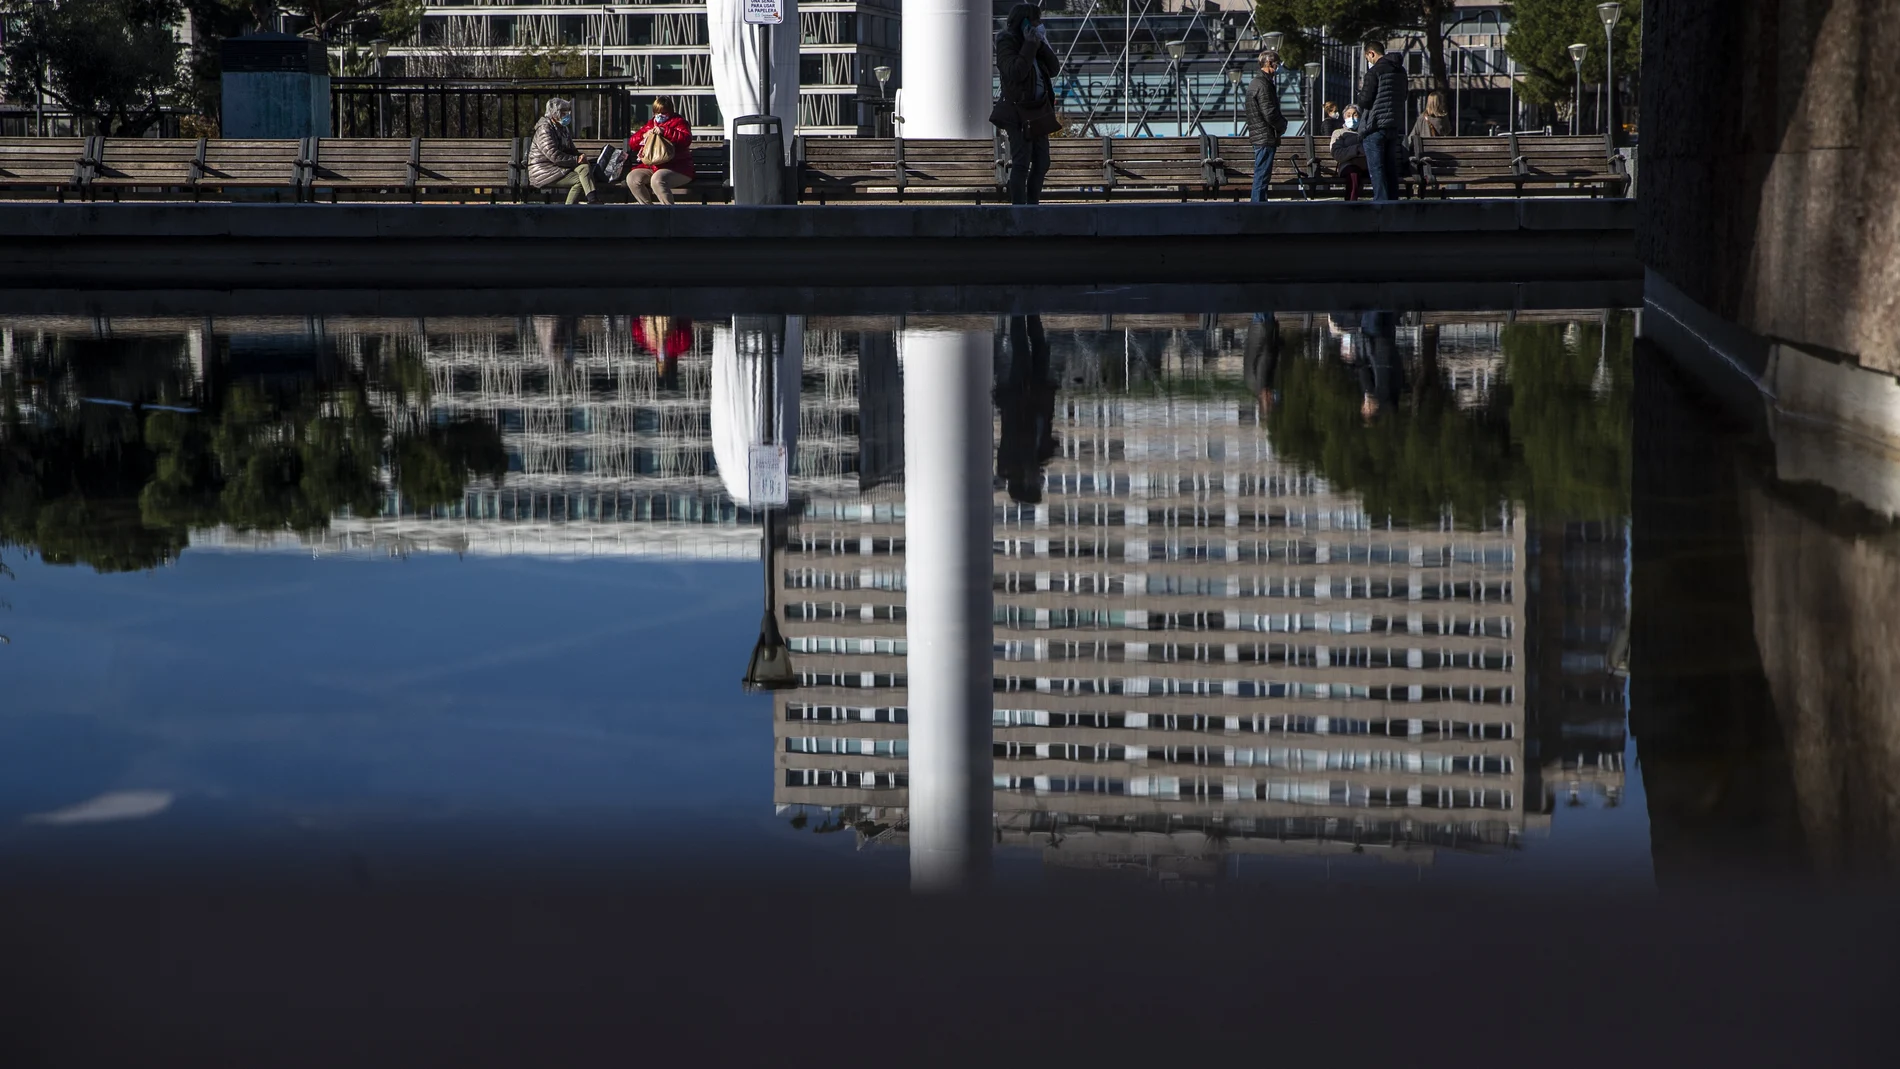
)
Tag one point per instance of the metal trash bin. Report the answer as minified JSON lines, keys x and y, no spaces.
{"x":758,"y":160}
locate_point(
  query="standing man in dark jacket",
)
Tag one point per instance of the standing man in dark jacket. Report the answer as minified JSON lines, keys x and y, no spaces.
{"x":1026,"y":69}
{"x":1265,"y":123}
{"x":1382,"y":108}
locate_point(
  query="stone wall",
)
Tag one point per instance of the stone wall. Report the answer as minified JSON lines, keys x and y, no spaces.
{"x":1830,"y":648}
{"x":1770,"y":163}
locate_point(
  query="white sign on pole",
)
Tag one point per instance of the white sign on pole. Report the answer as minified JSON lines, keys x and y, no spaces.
{"x":765,"y":12}
{"x":766,"y":475}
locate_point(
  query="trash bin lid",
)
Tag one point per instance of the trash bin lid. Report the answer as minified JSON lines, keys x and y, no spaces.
{"x":770,"y":122}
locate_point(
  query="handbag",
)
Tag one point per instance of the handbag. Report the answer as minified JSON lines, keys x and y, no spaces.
{"x":612,"y":163}
{"x":655,"y":149}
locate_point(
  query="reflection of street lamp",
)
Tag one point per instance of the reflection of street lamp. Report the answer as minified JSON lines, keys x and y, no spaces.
{"x":1610,"y":14}
{"x":771,"y":665}
{"x":1178,"y":49}
{"x":1577,"y":52}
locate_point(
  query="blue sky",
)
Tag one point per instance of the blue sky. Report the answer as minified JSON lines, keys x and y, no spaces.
{"x":425,"y":710}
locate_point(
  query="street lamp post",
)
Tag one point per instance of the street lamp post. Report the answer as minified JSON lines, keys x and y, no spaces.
{"x":1577,"y":53}
{"x":39,"y":69}
{"x":883,"y":76}
{"x":1610,"y":14}
{"x":1309,"y":108}
{"x":1234,"y":77}
{"x":1178,"y":49}
{"x":377,"y":50}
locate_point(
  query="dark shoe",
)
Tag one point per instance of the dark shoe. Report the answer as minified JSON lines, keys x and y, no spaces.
{"x":596,"y":197}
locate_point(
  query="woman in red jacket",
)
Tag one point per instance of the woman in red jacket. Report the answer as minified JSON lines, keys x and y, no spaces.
{"x":651,"y":183}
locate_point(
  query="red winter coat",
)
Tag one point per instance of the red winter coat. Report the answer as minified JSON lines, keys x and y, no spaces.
{"x":675,"y":130}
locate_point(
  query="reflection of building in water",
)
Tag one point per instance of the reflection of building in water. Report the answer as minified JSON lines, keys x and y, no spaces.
{"x":1199,"y":650}
{"x":1577,"y":606}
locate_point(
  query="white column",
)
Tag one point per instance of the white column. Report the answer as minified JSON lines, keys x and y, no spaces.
{"x":947,"y":502}
{"x":948,"y":46}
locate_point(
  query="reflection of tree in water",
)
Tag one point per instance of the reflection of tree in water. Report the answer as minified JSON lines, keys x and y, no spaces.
{"x":1555,"y":434}
{"x":119,"y":488}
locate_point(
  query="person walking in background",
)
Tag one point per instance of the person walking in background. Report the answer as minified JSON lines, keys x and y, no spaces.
{"x":1265,"y":122}
{"x":1026,"y":113}
{"x":1434,"y":120}
{"x":553,"y":161}
{"x":1382,"y":105}
{"x":662,"y":154}
{"x":1349,"y":152}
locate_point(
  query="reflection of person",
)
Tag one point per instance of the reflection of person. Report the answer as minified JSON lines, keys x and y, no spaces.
{"x":664,"y":338}
{"x":553,"y":161}
{"x":555,"y":335}
{"x":1026,"y":68}
{"x":1381,"y":374}
{"x":1263,"y":361}
{"x":655,"y":182}
{"x":1026,"y":397}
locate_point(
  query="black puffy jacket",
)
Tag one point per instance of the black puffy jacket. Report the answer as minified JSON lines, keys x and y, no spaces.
{"x":1265,"y":121}
{"x":1020,"y":65}
{"x":1382,"y":97}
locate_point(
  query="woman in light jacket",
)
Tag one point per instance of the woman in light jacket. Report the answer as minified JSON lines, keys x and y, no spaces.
{"x":553,"y":161}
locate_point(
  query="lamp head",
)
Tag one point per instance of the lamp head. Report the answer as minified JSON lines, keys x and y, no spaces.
{"x":1312,"y":71}
{"x":1177,"y":49}
{"x":1577,"y":53}
{"x":380,"y":47}
{"x":883,"y":74}
{"x":1273,"y":41}
{"x":1610,"y":14}
{"x":1235,"y":74}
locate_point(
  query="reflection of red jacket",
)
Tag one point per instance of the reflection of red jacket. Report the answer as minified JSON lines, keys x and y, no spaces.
{"x":675,"y":130}
{"x":677,"y":342}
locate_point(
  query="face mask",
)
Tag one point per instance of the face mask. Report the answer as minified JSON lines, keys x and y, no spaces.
{"x":567,"y":120}
{"x":1352,"y":123}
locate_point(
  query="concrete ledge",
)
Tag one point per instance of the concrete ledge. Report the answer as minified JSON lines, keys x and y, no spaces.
{"x":406,"y":246}
{"x":720,"y":301}
{"x":1832,"y":422}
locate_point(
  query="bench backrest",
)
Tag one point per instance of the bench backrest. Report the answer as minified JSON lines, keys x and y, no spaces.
{"x":134,"y":161}
{"x":41,"y":161}
{"x":371,"y":162}
{"x":251,"y":163}
{"x":457,"y":163}
{"x":1468,"y":157}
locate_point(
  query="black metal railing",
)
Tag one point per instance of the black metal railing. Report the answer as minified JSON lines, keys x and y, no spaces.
{"x":479,"y":107}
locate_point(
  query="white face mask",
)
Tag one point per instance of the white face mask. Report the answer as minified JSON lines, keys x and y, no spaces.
{"x":1352,"y":121}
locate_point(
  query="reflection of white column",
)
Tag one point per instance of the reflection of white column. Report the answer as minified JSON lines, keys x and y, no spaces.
{"x":947,"y":559}
{"x":948,"y":48}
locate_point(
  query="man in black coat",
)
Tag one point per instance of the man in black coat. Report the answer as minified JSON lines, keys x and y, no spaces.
{"x":1265,"y":122}
{"x":1382,"y":109}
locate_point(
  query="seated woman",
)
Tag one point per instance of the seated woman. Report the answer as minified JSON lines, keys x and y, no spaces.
{"x":553,"y":161}
{"x":654,"y":182}
{"x":1350,"y":154}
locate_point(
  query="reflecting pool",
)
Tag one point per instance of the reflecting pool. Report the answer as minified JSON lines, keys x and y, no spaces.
{"x":1286,"y":598}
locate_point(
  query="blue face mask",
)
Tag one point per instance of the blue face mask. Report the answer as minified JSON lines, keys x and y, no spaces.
{"x":567,"y":120}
